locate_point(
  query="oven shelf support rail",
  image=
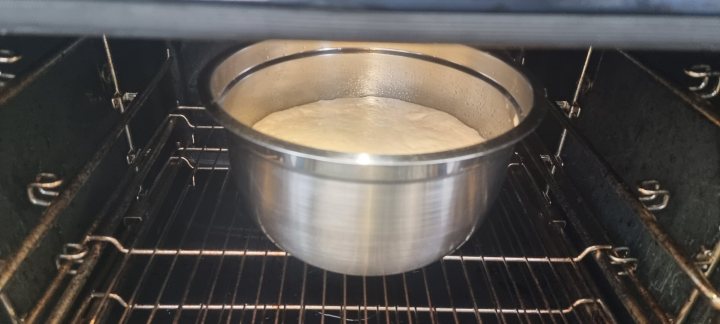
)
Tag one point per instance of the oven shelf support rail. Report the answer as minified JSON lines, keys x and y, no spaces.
{"x":330,"y":308}
{"x":81,"y":265}
{"x":614,"y":253}
{"x":67,"y":195}
{"x":696,"y":276}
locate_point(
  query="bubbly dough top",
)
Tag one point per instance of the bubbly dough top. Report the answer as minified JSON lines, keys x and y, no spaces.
{"x":371,"y":125}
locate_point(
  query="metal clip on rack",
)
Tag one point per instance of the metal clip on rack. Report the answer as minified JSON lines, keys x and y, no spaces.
{"x":7,"y":57}
{"x":44,"y":189}
{"x":652,"y":196}
{"x":707,"y":77}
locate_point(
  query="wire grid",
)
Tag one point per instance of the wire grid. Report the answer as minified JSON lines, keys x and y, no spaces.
{"x":490,"y":279}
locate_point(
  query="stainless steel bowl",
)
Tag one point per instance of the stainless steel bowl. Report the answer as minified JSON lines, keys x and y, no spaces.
{"x":367,"y":214}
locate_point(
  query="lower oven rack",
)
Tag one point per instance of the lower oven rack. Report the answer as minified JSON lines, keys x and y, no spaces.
{"x":192,"y":256}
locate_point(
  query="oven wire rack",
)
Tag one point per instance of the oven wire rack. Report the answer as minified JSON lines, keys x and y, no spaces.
{"x":194,"y":257}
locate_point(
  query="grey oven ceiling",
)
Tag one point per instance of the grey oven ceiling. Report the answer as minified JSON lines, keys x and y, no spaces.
{"x":666,"y":24}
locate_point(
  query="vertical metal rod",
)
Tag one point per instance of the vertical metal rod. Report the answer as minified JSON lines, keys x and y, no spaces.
{"x":263,"y":265}
{"x":237,"y":284}
{"x":176,"y":210}
{"x":343,"y":315}
{"x":385,"y":298}
{"x":111,"y":64}
{"x":202,"y":317}
{"x":562,"y":248}
{"x":196,"y":265}
{"x":544,"y":242}
{"x":526,"y":232}
{"x":433,"y":313}
{"x":116,"y":86}
{"x":185,"y":233}
{"x":489,"y":283}
{"x":301,"y":316}
{"x":364,"y":281}
{"x":581,"y":79}
{"x":449,"y":291}
{"x":546,"y":303}
{"x":126,"y":258}
{"x":324,"y":288}
{"x":470,"y":286}
{"x":407,"y":299}
{"x":576,"y":96}
{"x":280,"y":290}
{"x":395,"y":306}
{"x":513,"y":281}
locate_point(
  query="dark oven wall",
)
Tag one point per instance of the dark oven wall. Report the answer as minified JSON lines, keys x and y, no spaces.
{"x":54,"y":114}
{"x":642,"y":122}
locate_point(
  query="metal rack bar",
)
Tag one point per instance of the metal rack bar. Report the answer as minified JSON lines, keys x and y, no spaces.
{"x":407,"y":299}
{"x":268,"y":253}
{"x":505,"y":206}
{"x":450,"y":294}
{"x":259,"y":289}
{"x":237,"y":284}
{"x":203,"y":315}
{"x":389,"y":309}
{"x":204,"y":240}
{"x":535,"y":280}
{"x":117,"y":96}
{"x":522,"y":199}
{"x":25,"y":80}
{"x":494,"y":295}
{"x":184,"y":236}
{"x":513,"y":281}
{"x":324,"y":291}
{"x":302,"y":295}
{"x":114,"y":281}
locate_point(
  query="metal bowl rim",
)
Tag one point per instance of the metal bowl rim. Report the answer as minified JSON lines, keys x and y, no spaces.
{"x":502,"y":141}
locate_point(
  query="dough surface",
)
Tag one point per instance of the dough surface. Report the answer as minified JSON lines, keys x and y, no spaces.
{"x":372,"y":125}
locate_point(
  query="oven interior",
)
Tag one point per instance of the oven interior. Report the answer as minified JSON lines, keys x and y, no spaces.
{"x":116,"y":204}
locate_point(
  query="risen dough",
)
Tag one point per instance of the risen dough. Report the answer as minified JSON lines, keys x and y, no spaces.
{"x":370,"y":125}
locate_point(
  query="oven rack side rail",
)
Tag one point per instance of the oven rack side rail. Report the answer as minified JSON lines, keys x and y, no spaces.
{"x":613,"y":255}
